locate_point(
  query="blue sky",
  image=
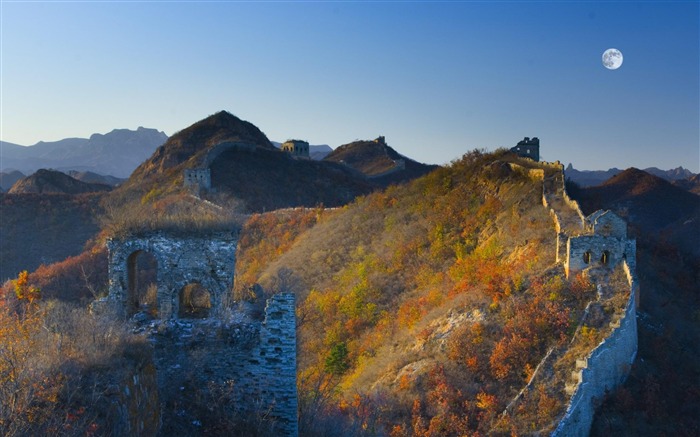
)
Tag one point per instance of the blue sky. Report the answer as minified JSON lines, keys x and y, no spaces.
{"x":436,"y":78}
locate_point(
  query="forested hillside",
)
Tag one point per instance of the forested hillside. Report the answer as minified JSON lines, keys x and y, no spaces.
{"x":425,"y":308}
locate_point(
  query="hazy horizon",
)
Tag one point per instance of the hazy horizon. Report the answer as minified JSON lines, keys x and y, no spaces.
{"x":437,"y":79}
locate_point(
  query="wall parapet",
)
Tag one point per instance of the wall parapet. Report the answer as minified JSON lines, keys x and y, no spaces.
{"x":605,"y":368}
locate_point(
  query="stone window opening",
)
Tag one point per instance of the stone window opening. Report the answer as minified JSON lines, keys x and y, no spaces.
{"x":587,"y":257}
{"x":142,"y":271}
{"x":605,"y":258}
{"x":194,"y":302}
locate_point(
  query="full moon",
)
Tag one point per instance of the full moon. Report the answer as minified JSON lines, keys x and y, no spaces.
{"x":612,"y":59}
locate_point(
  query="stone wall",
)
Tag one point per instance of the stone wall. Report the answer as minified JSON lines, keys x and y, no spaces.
{"x":247,"y":369}
{"x":607,"y":223}
{"x":278,"y":366}
{"x":197,"y":178}
{"x":207,"y":260}
{"x":605,"y":368}
{"x":586,"y":251}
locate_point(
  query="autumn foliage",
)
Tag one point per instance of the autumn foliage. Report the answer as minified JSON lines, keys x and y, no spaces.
{"x":432,"y":301}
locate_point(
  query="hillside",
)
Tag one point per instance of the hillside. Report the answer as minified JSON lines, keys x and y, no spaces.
{"x":247,"y":172}
{"x":691,"y":184}
{"x":376,"y":160}
{"x":194,"y":141}
{"x":54,"y":182}
{"x":115,"y":153}
{"x":662,"y":390}
{"x":267,"y":180}
{"x":428,"y":303}
{"x":94,"y":178}
{"x":8,"y":179}
{"x":42,"y":229}
{"x":636,"y":194}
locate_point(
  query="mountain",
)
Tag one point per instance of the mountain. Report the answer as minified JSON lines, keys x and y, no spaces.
{"x":636,"y":194}
{"x":316,"y":152}
{"x":589,"y":178}
{"x":8,"y":179}
{"x":38,"y":229}
{"x":378,"y":161}
{"x":94,"y":178}
{"x":670,"y":175}
{"x":244,"y":166}
{"x":691,"y":184}
{"x":194,"y":142}
{"x":115,"y":153}
{"x":54,"y":182}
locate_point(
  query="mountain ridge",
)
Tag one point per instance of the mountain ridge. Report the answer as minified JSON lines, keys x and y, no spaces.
{"x":116,"y":153}
{"x":45,"y":181}
{"x":588,"y":178}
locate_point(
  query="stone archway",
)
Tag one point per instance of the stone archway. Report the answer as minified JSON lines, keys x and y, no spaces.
{"x":207,"y":259}
{"x":194,"y":302}
{"x":142,"y":273}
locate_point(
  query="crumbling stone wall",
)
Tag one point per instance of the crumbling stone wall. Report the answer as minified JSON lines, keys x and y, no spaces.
{"x":207,"y":260}
{"x":255,"y":360}
{"x":605,"y":368}
{"x":607,"y":223}
{"x":247,"y":368}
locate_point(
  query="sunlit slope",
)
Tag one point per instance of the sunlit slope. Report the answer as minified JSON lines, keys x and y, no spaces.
{"x":438,"y":292}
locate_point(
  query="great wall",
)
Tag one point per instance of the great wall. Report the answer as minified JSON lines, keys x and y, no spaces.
{"x":261,"y":356}
{"x":594,"y":245}
{"x":225,"y":347}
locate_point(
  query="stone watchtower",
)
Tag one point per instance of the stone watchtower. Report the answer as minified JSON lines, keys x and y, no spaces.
{"x":605,"y":244}
{"x":181,"y":260}
{"x":197,"y":179}
{"x":528,"y":148}
{"x":297,"y":148}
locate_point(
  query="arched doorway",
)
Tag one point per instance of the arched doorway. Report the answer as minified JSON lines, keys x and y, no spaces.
{"x":142,"y":270}
{"x":195,"y":302}
{"x":587,"y":257}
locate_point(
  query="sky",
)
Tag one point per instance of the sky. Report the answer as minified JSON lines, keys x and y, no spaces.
{"x":437,"y":79}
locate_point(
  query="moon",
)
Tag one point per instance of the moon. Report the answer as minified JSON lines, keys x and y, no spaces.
{"x":612,"y":59}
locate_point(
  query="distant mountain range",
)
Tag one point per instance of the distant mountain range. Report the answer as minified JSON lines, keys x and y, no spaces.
{"x":590,"y":178}
{"x":116,"y":153}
